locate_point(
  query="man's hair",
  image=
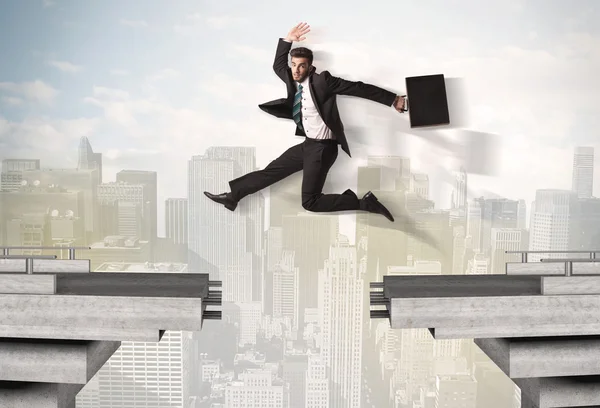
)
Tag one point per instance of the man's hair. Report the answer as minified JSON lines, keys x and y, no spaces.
{"x":302,"y":52}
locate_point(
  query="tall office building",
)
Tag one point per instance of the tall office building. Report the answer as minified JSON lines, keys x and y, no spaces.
{"x":176,"y":220}
{"x":309,"y":237}
{"x":227,"y":245}
{"x":455,"y":391}
{"x":87,"y":159}
{"x":551,"y":217}
{"x":506,"y":239}
{"x":583,"y":171}
{"x":474,"y":224}
{"x":395,"y":171}
{"x":257,"y":388}
{"x":584,"y":227}
{"x":341,"y":310}
{"x":122,"y":210}
{"x":459,"y":193}
{"x":145,"y":374}
{"x":496,"y":213}
{"x":150,"y":202}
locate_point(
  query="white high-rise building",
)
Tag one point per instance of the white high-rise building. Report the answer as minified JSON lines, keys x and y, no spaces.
{"x":506,"y":239}
{"x":317,"y":385}
{"x":285,"y":289}
{"x":227,"y":245}
{"x":257,"y":389}
{"x":176,"y":220}
{"x":341,"y":308}
{"x":455,"y":391}
{"x":250,"y":318}
{"x":474,"y":215}
{"x":583,"y":171}
{"x":144,"y":374}
{"x":393,"y":170}
{"x":459,"y":193}
{"x":550,"y":219}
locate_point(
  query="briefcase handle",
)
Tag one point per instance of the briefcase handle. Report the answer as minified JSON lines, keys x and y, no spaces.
{"x":405,"y":103}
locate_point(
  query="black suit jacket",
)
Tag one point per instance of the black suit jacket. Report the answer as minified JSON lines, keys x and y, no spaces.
{"x":324,"y":88}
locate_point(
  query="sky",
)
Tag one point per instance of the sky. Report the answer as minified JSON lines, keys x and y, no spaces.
{"x":153,"y":82}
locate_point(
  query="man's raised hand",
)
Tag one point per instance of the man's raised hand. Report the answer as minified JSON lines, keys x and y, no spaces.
{"x":297,"y":33}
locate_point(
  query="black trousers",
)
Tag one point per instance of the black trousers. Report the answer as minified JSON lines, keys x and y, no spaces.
{"x":314,"y":158}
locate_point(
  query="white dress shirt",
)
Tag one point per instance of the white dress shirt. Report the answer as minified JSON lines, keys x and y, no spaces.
{"x":313,"y":124}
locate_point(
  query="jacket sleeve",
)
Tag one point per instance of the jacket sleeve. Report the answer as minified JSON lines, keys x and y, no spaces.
{"x":280,"y":65}
{"x":360,"y":89}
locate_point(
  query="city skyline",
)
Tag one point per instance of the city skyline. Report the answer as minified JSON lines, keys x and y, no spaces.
{"x":304,"y":285}
{"x":139,"y":105}
{"x":119,"y":115}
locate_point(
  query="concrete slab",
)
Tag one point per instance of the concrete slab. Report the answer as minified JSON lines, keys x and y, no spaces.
{"x":534,"y":268}
{"x":586,"y":268}
{"x":61,"y":265}
{"x":39,"y":395}
{"x":27,"y":256}
{"x":416,"y":313}
{"x":135,"y":312}
{"x":175,"y":285}
{"x":25,"y":283}
{"x":570,"y":285}
{"x":553,"y":392}
{"x":523,"y":330}
{"x":419,"y":286}
{"x":81,"y":333}
{"x":12,"y":265}
{"x":535,"y":357}
{"x":53,"y":361}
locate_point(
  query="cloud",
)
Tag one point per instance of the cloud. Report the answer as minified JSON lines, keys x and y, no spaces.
{"x":196,"y":22}
{"x":114,"y":102}
{"x":11,"y":100}
{"x":134,"y":23}
{"x":165,"y":73}
{"x":119,"y":72}
{"x":36,"y":91}
{"x":230,"y":90}
{"x":226,"y":21}
{"x":65,"y":66}
{"x":48,"y":3}
{"x":44,"y":138}
{"x":254,"y":53}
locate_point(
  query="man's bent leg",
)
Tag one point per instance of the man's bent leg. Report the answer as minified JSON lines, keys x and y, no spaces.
{"x":318,"y":159}
{"x":285,"y":165}
{"x":319,"y":156}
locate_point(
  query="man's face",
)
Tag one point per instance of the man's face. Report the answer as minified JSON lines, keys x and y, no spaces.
{"x":300,"y":67}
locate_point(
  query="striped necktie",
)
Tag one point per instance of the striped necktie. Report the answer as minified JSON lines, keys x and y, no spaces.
{"x":297,"y":108}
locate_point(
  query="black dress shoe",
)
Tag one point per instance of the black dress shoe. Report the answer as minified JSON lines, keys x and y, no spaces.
{"x":224,"y":199}
{"x":370,"y":203}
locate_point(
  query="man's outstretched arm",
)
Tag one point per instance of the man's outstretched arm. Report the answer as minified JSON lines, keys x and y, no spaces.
{"x":280,"y":65}
{"x":360,"y":89}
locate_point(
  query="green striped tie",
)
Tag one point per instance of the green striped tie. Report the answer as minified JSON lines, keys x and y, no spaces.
{"x":297,"y":108}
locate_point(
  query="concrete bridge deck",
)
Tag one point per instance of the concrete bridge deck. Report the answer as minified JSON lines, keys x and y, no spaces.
{"x":542,"y":330}
{"x":58,"y":329}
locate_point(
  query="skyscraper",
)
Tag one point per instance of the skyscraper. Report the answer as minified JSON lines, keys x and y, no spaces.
{"x":150,"y":203}
{"x":583,"y":171}
{"x":459,"y":193}
{"x":550,"y":222}
{"x":176,"y":220}
{"x":88,"y":160}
